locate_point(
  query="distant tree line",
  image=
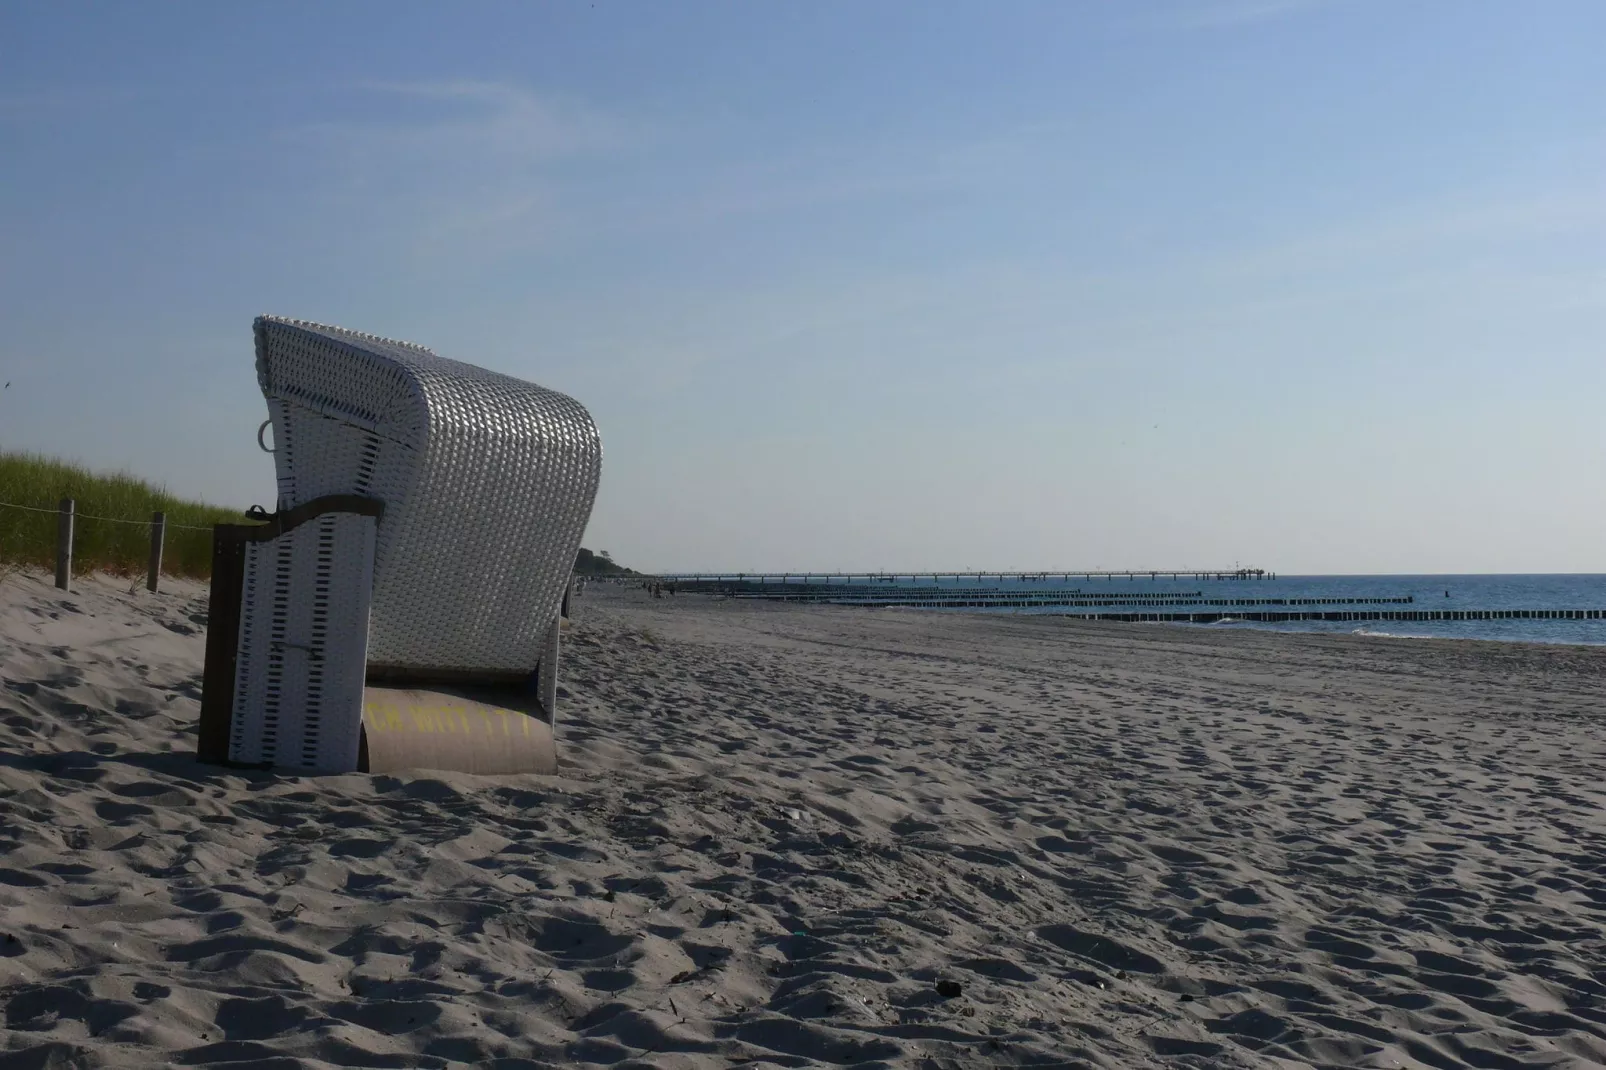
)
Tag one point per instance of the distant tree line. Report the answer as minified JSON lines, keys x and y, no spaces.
{"x":599,"y":564}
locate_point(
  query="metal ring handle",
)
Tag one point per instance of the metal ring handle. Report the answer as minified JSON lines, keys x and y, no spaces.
{"x":263,"y":445}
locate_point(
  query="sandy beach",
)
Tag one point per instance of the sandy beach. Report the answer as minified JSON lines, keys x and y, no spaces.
{"x":788,"y":837}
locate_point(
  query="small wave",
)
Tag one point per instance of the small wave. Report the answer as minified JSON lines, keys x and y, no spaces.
{"x":1434,"y":637}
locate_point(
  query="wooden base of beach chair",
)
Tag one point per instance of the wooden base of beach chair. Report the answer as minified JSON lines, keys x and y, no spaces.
{"x":469,"y":730}
{"x":287,"y":634}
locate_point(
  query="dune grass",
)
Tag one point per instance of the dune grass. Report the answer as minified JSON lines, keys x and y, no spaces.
{"x":29,"y":538}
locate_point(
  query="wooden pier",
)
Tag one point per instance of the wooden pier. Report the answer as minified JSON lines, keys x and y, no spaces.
{"x":994,"y":599}
{"x":1051,"y":575}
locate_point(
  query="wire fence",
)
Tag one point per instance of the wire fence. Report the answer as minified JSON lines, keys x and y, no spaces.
{"x":76,"y":543}
{"x":109,"y":519}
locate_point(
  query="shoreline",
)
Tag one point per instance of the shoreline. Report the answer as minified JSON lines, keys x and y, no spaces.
{"x":1229,"y":627}
{"x":1218,"y":627}
{"x":1565,"y":609}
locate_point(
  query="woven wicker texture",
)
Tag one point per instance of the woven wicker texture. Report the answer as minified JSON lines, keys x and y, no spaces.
{"x":298,"y":684}
{"x":488,"y":482}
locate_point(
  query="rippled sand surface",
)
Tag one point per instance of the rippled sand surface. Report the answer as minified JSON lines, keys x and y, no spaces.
{"x":794,"y":836}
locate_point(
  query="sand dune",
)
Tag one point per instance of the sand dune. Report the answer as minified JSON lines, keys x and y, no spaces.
{"x":788,"y":837}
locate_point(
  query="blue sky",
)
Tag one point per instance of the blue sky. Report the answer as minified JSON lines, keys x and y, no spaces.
{"x":1313,"y":286}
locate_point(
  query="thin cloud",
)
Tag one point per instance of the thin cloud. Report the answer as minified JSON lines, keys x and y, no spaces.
{"x":1431,"y":229}
{"x":456,"y":169}
{"x":480,"y":118}
{"x":1206,"y":14}
{"x":511,"y":119}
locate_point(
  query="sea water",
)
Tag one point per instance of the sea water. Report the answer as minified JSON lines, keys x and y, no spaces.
{"x":1486,"y":592}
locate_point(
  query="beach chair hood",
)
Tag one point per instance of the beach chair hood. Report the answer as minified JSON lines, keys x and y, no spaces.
{"x":488,"y":482}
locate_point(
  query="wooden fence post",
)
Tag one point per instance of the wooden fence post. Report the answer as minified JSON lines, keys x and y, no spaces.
{"x":64,"y":525}
{"x":158,"y":536}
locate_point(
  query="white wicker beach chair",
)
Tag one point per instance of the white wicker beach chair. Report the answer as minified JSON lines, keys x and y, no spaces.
{"x":400,"y":608}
